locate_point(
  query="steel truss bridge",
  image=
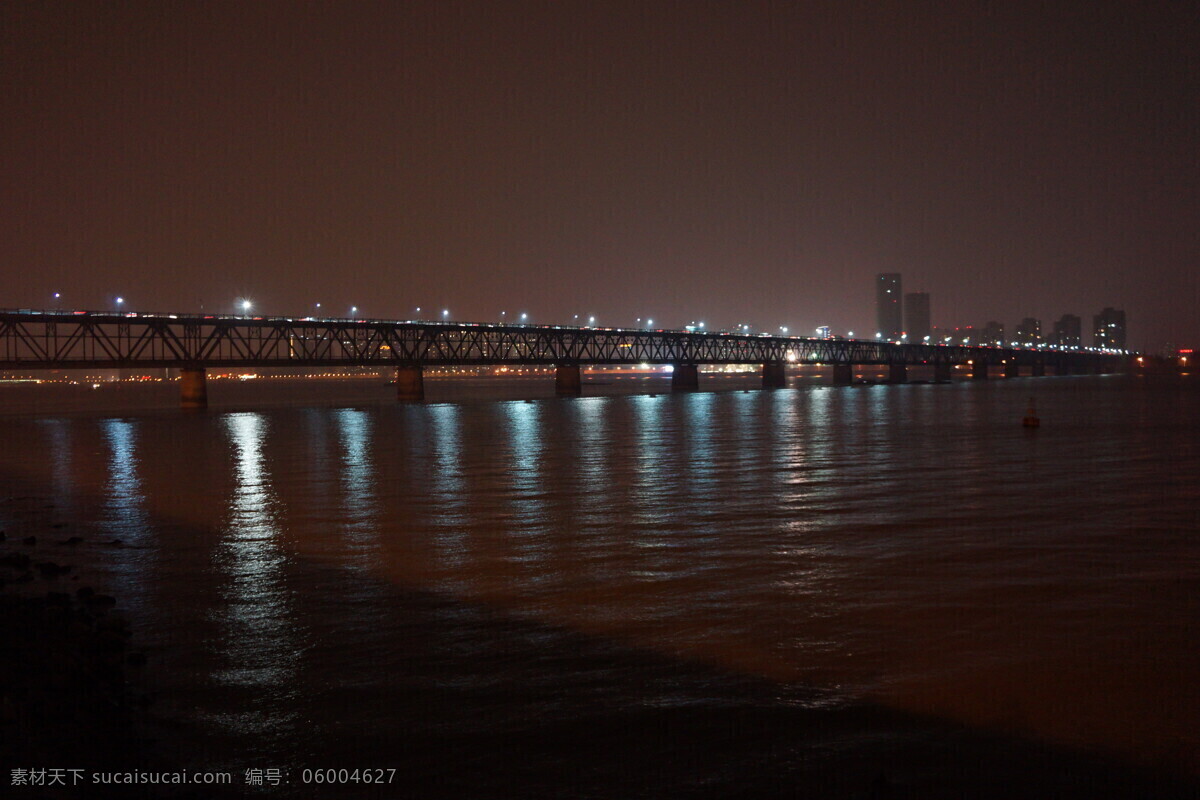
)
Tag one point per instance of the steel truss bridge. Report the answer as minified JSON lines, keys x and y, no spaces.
{"x":71,"y":340}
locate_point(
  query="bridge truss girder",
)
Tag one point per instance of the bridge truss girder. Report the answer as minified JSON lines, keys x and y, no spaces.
{"x":68,"y":341}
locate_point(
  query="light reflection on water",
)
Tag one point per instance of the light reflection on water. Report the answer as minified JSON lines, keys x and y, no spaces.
{"x":258,"y":640}
{"x":910,"y":544}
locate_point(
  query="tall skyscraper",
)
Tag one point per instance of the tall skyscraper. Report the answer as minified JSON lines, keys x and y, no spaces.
{"x":916,"y":317}
{"x":1029,"y":332}
{"x":1068,"y":331}
{"x":1108,"y":329}
{"x":992,"y":334}
{"x":888,"y":312}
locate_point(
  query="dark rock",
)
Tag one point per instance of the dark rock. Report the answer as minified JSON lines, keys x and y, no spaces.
{"x":58,"y":598}
{"x":73,"y":540}
{"x":3,"y":536}
{"x":14,"y":560}
{"x":136,"y":659}
{"x":51,"y":570}
{"x":59,"y":525}
{"x":115,"y":543}
{"x":102,"y":601}
{"x":84,"y":592}
{"x":29,"y":540}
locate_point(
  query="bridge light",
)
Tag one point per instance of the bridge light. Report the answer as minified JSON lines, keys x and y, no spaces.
{"x":120,"y":301}
{"x":524,"y":316}
{"x":650,"y":323}
{"x":878,"y":335}
{"x":246,"y":304}
{"x":591,"y":320}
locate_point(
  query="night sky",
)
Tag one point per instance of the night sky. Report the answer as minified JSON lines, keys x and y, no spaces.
{"x":726,"y":161}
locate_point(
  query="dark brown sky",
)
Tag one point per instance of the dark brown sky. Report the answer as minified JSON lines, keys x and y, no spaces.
{"x":730,"y":161}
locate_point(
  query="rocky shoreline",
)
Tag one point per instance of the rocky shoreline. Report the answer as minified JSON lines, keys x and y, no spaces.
{"x":72,"y":694}
{"x":68,"y":672}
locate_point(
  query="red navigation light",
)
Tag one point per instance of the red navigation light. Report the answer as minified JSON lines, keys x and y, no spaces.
{"x":1186,"y":352}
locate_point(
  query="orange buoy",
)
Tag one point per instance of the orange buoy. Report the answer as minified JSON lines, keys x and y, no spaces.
{"x":1031,"y":418}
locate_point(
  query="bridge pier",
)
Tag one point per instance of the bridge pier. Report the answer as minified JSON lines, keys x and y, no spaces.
{"x":774,"y":375}
{"x":843,"y":374}
{"x":410,"y":384}
{"x":1062,"y":367}
{"x":685,"y":378}
{"x":1012,"y":369}
{"x":193,"y":387}
{"x":943,"y":371}
{"x":1039,"y":368}
{"x":897,"y":373}
{"x":568,"y":380}
{"x":979,"y":369}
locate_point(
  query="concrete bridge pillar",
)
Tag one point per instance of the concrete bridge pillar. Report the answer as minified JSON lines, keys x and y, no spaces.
{"x":774,"y":375}
{"x":843,"y":374}
{"x":410,"y":384}
{"x":1039,"y":368}
{"x":979,"y":369}
{"x":568,"y":380}
{"x":685,"y":378}
{"x":193,"y":387}
{"x":1012,"y":369}
{"x":1062,"y":366}
{"x":943,"y":371}
{"x":897,"y":373}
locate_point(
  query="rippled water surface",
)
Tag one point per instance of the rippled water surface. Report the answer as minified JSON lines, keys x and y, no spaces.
{"x":318,"y":583}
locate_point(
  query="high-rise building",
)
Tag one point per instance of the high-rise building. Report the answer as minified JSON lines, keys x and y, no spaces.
{"x":1029,"y":332}
{"x":992,"y":334}
{"x":916,"y":317}
{"x":1108,"y":329}
{"x":888,"y":313}
{"x":1068,"y":331}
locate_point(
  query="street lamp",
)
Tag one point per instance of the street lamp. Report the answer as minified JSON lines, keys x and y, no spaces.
{"x":246,"y":304}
